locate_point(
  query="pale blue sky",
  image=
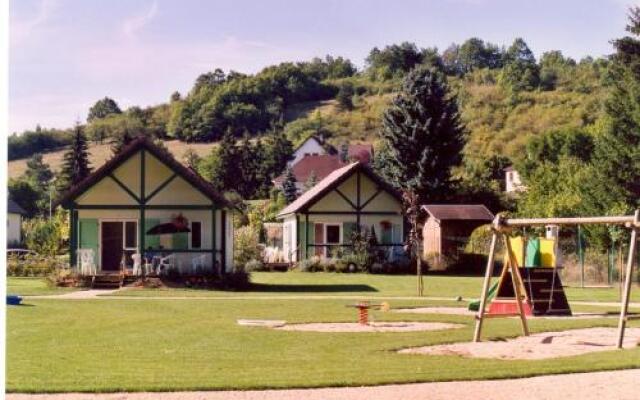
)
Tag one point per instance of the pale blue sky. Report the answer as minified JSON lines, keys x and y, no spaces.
{"x":66,"y":54}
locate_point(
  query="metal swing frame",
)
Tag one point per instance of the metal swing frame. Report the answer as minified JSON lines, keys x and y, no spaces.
{"x":502,"y":227}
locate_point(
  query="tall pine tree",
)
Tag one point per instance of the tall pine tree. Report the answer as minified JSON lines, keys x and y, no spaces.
{"x":75,"y":166}
{"x":422,"y":137}
{"x":221,"y":165}
{"x":289,"y":186}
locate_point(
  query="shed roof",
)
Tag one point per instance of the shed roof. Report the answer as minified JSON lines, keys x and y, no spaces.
{"x":449,"y":212}
{"x":14,"y":208}
{"x":137,"y":144}
{"x":333,"y":180}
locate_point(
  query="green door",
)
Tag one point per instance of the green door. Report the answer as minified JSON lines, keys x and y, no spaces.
{"x":88,"y":236}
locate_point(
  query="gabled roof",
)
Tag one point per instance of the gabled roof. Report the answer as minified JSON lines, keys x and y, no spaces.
{"x":14,"y":208}
{"x":333,"y":180}
{"x":137,"y":144}
{"x":327,"y":146}
{"x":450,"y":212}
{"x":321,"y":165}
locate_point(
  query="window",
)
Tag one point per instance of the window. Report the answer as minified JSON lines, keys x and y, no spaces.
{"x":130,"y":234}
{"x":333,"y":234}
{"x":196,"y":235}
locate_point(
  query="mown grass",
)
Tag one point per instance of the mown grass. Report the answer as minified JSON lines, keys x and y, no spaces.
{"x":168,"y":345}
{"x":367,"y":285}
{"x":33,"y":286}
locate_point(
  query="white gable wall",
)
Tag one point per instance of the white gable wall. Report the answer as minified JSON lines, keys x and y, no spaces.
{"x":310,"y":146}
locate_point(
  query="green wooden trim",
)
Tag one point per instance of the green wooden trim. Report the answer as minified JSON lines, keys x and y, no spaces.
{"x":142,"y":230}
{"x":162,"y":186}
{"x":353,"y":213}
{"x":213,"y":237}
{"x":358,"y":209}
{"x":306,"y":236}
{"x":223,"y":238}
{"x":125,"y":188}
{"x":73,"y":240}
{"x":178,"y":250}
{"x":346,"y":199}
{"x":148,"y":207}
{"x":373,"y":196}
{"x":298,"y":249}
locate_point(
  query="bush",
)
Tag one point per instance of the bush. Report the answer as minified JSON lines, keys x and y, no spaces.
{"x":247,"y":245}
{"x":238,"y":279}
{"x":33,"y":265}
{"x":254,"y":265}
{"x":47,"y":236}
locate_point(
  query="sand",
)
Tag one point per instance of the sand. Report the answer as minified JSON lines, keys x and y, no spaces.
{"x":619,"y":385}
{"x":337,"y":327}
{"x":435,"y":310}
{"x":538,"y":346}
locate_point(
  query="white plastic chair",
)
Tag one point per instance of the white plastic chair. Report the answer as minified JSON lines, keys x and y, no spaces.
{"x":137,"y":264}
{"x":198,"y":263}
{"x":86,"y":262}
{"x":166,"y":263}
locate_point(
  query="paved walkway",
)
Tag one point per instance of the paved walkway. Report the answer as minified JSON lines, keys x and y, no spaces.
{"x":620,"y":385}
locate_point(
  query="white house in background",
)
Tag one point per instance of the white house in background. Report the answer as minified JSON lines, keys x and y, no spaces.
{"x":14,"y":222}
{"x":312,"y":146}
{"x":513,"y":183}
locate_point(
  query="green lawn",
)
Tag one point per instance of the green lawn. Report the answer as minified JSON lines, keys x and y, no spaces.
{"x":32,"y":286}
{"x":133,"y":345}
{"x":369,"y":285}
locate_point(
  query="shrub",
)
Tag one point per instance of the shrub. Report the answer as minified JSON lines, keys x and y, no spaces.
{"x":254,"y":265}
{"x":238,"y":279}
{"x":47,"y":236}
{"x":247,"y":245}
{"x":33,"y":265}
{"x":310,"y":264}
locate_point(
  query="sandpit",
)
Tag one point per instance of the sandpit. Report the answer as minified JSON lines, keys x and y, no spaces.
{"x":538,"y":346}
{"x":464,"y":311}
{"x":351,"y":327}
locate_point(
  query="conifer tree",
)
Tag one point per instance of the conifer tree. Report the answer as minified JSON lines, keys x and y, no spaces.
{"x":311,"y":181}
{"x":422,"y":136}
{"x":76,"y":164}
{"x":289,"y":186}
{"x":221,"y":165}
{"x":120,"y":141}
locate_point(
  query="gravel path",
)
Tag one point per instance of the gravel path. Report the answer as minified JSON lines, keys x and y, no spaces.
{"x":620,"y":385}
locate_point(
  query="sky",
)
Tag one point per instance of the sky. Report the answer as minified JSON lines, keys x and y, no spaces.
{"x":66,"y":54}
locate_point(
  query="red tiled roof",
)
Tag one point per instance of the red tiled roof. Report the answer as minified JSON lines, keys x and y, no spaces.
{"x":334,"y":179}
{"x":475,"y":212}
{"x":321,"y":165}
{"x":362,"y":152}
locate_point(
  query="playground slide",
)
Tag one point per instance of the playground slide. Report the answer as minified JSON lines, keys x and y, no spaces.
{"x":475,"y":305}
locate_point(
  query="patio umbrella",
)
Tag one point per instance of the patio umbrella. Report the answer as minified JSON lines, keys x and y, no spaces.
{"x":167,"y":228}
{"x":178,"y":224}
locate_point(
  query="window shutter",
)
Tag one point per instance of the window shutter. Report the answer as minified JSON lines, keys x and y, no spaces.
{"x":152,"y":241}
{"x":88,"y":236}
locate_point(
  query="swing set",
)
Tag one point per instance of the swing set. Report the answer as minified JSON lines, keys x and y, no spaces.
{"x":502,"y":227}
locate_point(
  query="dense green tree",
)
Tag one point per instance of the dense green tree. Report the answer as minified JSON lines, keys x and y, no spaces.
{"x":345,"y":96}
{"x":278,"y":152}
{"x":394,"y":60}
{"x":617,"y":154}
{"x":520,"y":71}
{"x":191,"y":159}
{"x":220,"y":167}
{"x":119,"y":141}
{"x":423,"y":135}
{"x":103,"y":108}
{"x":24,"y":192}
{"x":289,"y":188}
{"x":75,"y":165}
{"x":37,"y":171}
